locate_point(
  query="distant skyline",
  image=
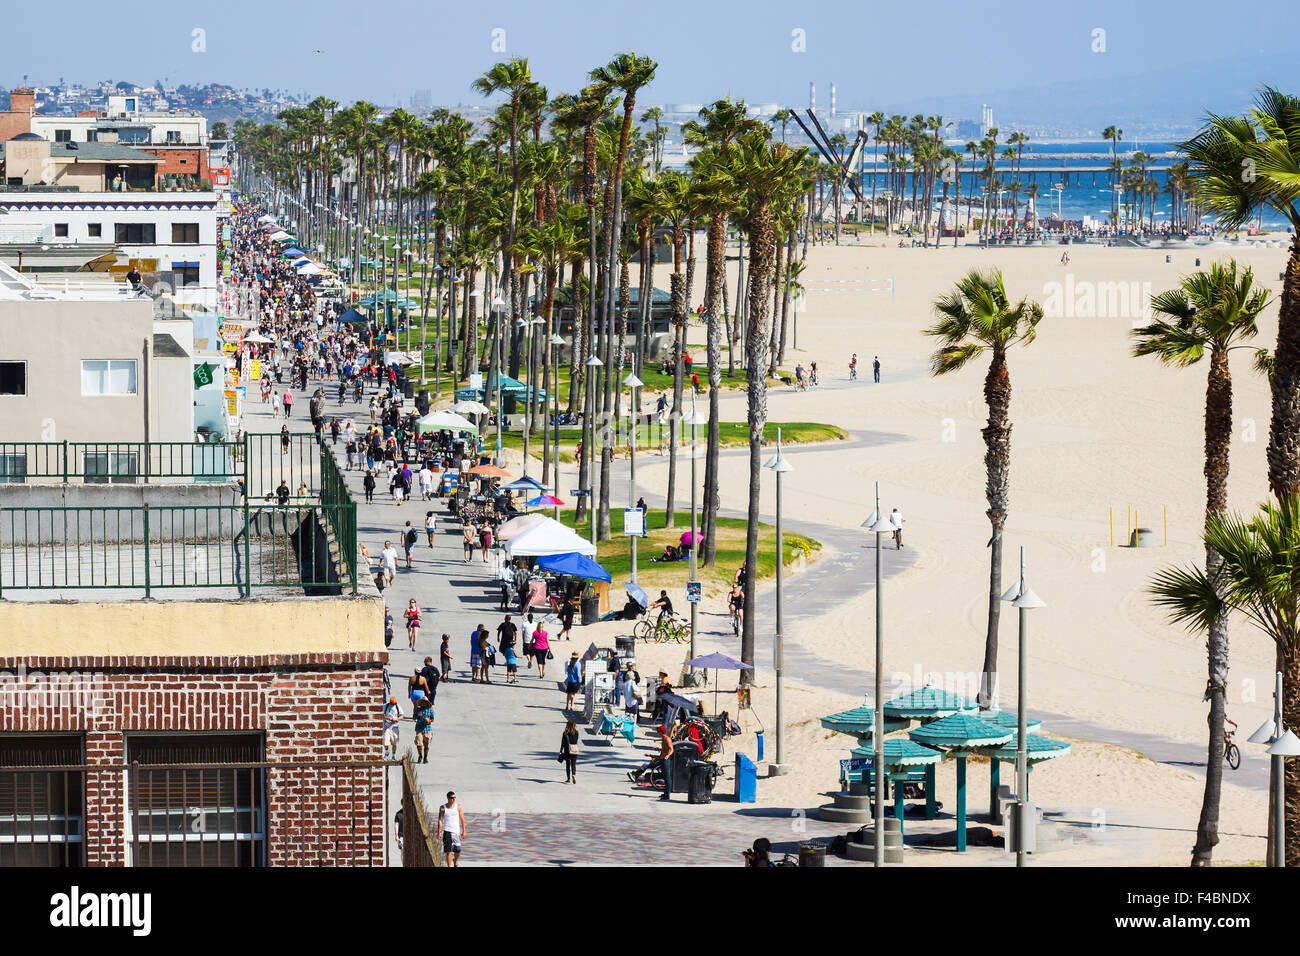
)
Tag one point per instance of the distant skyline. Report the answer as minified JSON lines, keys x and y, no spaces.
{"x":1160,"y":57}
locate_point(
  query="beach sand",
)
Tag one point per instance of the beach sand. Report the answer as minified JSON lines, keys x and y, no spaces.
{"x":1094,"y":429}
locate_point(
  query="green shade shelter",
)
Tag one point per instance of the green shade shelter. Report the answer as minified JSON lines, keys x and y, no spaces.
{"x":1037,"y":749}
{"x":901,"y":757}
{"x":928,"y":703}
{"x":1006,"y":719}
{"x":960,"y":735}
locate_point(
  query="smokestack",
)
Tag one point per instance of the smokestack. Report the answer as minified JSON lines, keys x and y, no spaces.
{"x":812,"y":95}
{"x":832,"y":100}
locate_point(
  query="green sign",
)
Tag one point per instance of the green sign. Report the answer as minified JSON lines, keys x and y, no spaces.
{"x":203,"y":375}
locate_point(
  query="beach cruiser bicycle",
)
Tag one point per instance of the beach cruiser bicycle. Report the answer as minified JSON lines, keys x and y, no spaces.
{"x":666,"y":629}
{"x":1231,"y":755}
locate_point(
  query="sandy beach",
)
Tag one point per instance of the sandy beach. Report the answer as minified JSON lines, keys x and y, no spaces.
{"x":1094,"y":429}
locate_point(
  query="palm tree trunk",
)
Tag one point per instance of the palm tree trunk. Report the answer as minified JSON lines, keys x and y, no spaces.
{"x":997,"y":463}
{"x":715,"y":291}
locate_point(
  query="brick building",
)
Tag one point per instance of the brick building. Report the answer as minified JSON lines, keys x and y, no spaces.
{"x":18,"y":118}
{"x":279,"y":755}
{"x":181,"y":162}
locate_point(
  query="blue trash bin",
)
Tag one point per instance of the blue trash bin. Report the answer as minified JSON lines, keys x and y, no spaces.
{"x":759,"y":735}
{"x":746,"y":780}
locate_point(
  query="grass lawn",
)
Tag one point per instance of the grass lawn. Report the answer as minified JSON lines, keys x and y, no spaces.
{"x":615,"y":554}
{"x":730,"y":435}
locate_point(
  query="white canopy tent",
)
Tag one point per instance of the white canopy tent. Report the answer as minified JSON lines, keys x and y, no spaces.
{"x":548,"y":537}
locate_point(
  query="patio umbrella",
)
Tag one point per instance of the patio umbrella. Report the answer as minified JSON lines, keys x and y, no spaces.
{"x":488,"y":470}
{"x":687,"y":541}
{"x":257,"y":337}
{"x":518,"y":526}
{"x":526,"y":483}
{"x":716,"y":662}
{"x":470,"y":407}
{"x":636,"y":593}
{"x":544,"y":501}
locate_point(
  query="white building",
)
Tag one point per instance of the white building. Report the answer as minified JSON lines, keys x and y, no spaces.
{"x":169,"y":237}
{"x":124,"y":122}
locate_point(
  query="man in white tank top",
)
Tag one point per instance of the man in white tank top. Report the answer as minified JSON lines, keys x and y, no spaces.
{"x":451,"y":828}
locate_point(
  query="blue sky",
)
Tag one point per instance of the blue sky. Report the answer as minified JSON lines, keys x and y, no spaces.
{"x":388,"y":48}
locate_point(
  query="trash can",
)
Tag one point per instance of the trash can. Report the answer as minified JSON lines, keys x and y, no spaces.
{"x":408,"y":388}
{"x":812,"y":854}
{"x":746,"y":780}
{"x":590,"y":609}
{"x":422,"y":401}
{"x":685,"y":753}
{"x":700,"y":782}
{"x":759,"y":735}
{"x":508,"y":400}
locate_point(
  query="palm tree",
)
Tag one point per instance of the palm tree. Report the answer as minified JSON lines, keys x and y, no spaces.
{"x":654,"y":115}
{"x":1258,"y":576}
{"x":626,"y":72}
{"x":1208,"y":312}
{"x":876,"y":119}
{"x":764,"y":173}
{"x":974,"y":319}
{"x":1114,"y":134}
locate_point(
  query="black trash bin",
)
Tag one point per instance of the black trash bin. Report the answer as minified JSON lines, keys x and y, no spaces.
{"x":408,"y":388}
{"x":700,"y":782}
{"x":590,"y":609}
{"x":685,"y":754}
{"x":422,"y":401}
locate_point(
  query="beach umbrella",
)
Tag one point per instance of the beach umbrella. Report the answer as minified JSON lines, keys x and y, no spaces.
{"x":488,"y":470}
{"x":526,"y":483}
{"x":716,"y":662}
{"x":544,"y":501}
{"x":257,"y":337}
{"x":636,"y":593}
{"x":687,"y":541}
{"x":519,"y":525}
{"x":470,"y":407}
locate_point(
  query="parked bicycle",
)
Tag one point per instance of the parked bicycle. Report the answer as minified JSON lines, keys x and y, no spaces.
{"x":667,"y":628}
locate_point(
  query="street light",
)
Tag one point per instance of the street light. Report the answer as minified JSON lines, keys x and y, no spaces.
{"x":1282,"y":743}
{"x":779,"y":465}
{"x":694,"y":421}
{"x":588,"y":437}
{"x":1023,"y":599}
{"x":879,"y":525}
{"x":555,"y":389}
{"x":633,"y":383}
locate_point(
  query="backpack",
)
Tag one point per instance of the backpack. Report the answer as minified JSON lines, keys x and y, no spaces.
{"x":411,"y":536}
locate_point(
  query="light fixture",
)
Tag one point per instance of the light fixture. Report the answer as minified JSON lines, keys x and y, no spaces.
{"x":1264,"y":735}
{"x":555,"y":339}
{"x":779,"y":464}
{"x":1028,"y":599}
{"x":593,"y":362}
{"x":498,"y":303}
{"x":1288,"y":745}
{"x":632,"y":381}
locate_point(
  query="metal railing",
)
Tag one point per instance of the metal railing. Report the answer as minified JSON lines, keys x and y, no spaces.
{"x":120,"y":462}
{"x":195,"y":814}
{"x":419,"y":844}
{"x":295,"y":527}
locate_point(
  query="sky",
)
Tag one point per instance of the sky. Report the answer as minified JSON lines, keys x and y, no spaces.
{"x":764,"y":51}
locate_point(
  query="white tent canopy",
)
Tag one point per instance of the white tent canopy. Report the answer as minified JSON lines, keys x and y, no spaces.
{"x":266,"y":218}
{"x":448,"y":420}
{"x":279,"y":236}
{"x":548,"y":537}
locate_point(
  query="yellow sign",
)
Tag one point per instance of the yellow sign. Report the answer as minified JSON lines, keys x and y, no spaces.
{"x":229,"y":348}
{"x":234,"y":377}
{"x":255,"y":370}
{"x":232,"y":403}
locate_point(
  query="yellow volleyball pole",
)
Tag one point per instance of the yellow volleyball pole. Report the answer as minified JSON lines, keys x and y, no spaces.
{"x":1112,"y":526}
{"x":1137,"y":537}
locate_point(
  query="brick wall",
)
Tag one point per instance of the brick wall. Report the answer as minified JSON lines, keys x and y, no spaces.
{"x":317,"y":708}
{"x":189,"y":160}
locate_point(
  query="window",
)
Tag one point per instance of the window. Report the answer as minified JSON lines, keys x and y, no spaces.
{"x":13,"y":468}
{"x":135,"y":233}
{"x":205,"y":816}
{"x":60,"y":230}
{"x":92,"y":136}
{"x":63,"y":136}
{"x":13,"y":378}
{"x":185,"y":232}
{"x":186,"y":275}
{"x":108,"y":377}
{"x":173,"y":136}
{"x":110,"y":467}
{"x":42,"y":800}
{"x":95,"y":230}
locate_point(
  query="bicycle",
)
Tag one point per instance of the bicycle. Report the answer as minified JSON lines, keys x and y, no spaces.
{"x":663,"y":629}
{"x":1231,"y":754}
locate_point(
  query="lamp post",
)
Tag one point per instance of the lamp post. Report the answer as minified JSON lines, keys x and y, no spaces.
{"x":588,"y":436}
{"x":553,"y":341}
{"x":779,"y":465}
{"x":879,"y":525}
{"x":522,"y":325}
{"x":498,"y":309}
{"x":1282,"y":743}
{"x":1023,"y":599}
{"x":634,"y":384}
{"x":695,"y":421}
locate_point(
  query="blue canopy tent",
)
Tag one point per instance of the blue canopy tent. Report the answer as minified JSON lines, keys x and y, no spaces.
{"x":353,"y":317}
{"x":526,"y":483}
{"x":575,"y":565}
{"x":293,"y":253}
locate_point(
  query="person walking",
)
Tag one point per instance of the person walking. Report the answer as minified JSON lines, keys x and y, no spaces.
{"x":569,"y":752}
{"x":896,"y":519}
{"x":288,"y":402}
{"x":416,"y":686}
{"x":444,"y":658}
{"x":506,"y":632}
{"x":392,"y":719}
{"x":409,"y":537}
{"x":572,"y":680}
{"x":567,"y":610}
{"x":875,"y":368}
{"x":423,"y":718}
{"x":526,"y":628}
{"x":469,"y":537}
{"x":368,"y":483}
{"x":451,"y":828}
{"x":487,"y":653}
{"x":430,"y":526}
{"x":541,"y":648}
{"x":388,"y":560}
{"x":388,"y":627}
{"x":485,"y":540}
{"x":412,"y":623}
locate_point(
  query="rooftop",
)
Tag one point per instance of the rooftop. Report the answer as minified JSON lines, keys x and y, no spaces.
{"x":17,"y":287}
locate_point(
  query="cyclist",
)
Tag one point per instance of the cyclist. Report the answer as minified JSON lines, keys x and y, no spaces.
{"x":812,"y":378}
{"x":665,"y":605}
{"x":736,"y":604}
{"x":798,"y":377}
